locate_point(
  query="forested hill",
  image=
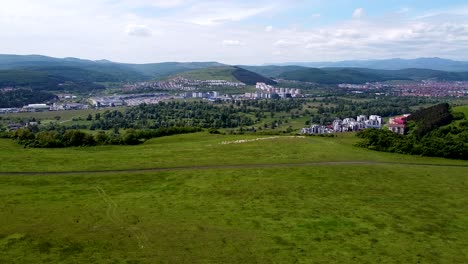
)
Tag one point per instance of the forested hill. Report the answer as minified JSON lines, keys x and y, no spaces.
{"x":78,"y":70}
{"x":439,"y":64}
{"x":332,"y":76}
{"x":354,"y":75}
{"x":99,"y":70}
{"x":42,"y":81}
{"x":21,"y":97}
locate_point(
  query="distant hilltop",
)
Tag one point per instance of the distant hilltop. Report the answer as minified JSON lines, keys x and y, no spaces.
{"x":73,"y":74}
{"x":389,"y":64}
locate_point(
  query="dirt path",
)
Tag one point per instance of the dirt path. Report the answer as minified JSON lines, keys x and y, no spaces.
{"x":238,"y":166}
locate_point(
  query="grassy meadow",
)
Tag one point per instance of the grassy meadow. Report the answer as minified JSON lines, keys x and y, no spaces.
{"x":387,"y":208}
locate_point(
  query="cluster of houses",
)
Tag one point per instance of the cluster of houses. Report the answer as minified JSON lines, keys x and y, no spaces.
{"x":397,"y":124}
{"x":208,"y":95}
{"x":346,"y":125}
{"x":267,"y":91}
{"x":129,"y":99}
{"x":181,"y":83}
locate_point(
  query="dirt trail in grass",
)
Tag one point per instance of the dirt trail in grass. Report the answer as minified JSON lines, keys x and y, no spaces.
{"x":237,"y":166}
{"x":113,"y":216}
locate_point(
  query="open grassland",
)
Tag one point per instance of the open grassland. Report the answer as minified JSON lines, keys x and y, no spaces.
{"x":201,"y":149}
{"x":320,"y":214}
{"x":202,"y":211}
{"x":463,"y":109}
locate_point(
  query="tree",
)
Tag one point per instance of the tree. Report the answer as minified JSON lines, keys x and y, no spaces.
{"x":130,"y":137}
{"x":23,"y":134}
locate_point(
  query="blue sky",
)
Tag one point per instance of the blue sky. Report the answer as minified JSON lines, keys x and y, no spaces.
{"x":235,"y":31}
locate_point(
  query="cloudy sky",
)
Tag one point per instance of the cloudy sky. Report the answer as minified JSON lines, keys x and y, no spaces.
{"x":235,"y":31}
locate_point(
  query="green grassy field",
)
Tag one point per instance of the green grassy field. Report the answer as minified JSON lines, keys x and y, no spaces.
{"x":376,"y":211}
{"x":200,"y":149}
{"x":463,"y":109}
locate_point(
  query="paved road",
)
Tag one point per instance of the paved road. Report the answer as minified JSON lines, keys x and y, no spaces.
{"x":239,"y":166}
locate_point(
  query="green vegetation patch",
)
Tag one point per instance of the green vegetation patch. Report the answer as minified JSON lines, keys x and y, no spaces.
{"x":200,"y":149}
{"x":215,"y":73}
{"x":319,"y":214}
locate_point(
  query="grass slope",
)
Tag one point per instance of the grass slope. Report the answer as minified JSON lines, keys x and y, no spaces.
{"x":364,"y":213}
{"x":228,"y":73}
{"x":214,"y":73}
{"x":196,"y":150}
{"x":344,"y":214}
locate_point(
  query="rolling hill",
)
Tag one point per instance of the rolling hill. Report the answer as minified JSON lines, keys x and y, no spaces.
{"x":39,"y":71}
{"x":331,"y":76}
{"x":101,"y":70}
{"x":229,"y":73}
{"x":43,"y":81}
{"x":390,"y":64}
{"x":272,"y":71}
{"x":354,"y":75}
{"x":161,"y":70}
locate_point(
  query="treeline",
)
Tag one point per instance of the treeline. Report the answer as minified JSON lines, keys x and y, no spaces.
{"x":434,"y":144}
{"x":21,"y":97}
{"x":430,"y":118}
{"x":429,"y":136}
{"x":76,"y":138}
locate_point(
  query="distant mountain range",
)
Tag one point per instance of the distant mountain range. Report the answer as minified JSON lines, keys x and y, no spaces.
{"x":389,"y":64}
{"x":354,"y":75}
{"x":47,"y":73}
{"x":72,"y":74}
{"x":101,"y":70}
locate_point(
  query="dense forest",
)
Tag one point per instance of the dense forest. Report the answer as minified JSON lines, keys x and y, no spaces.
{"x":250,"y":78}
{"x":173,"y":114}
{"x":362,"y":75}
{"x":21,"y":97}
{"x":323,"y":76}
{"x":432,"y":133}
{"x":74,"y":138}
{"x":42,"y":81}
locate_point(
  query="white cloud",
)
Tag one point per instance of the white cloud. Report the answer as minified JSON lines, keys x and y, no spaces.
{"x":232,"y":43}
{"x":404,"y":10}
{"x":359,"y":13}
{"x":167,"y":4}
{"x":269,"y":29}
{"x":138,"y":30}
{"x":125,"y":4}
{"x":283,"y":43}
{"x":218,"y":13}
